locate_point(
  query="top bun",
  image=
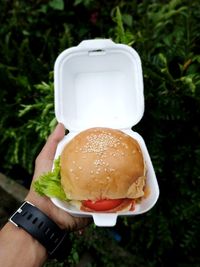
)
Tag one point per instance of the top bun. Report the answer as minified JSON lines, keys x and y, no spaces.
{"x":102,"y":163}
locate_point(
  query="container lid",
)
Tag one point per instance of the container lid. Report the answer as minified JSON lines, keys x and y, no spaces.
{"x":98,"y":83}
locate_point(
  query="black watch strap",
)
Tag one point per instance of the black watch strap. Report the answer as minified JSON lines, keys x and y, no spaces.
{"x":42,"y":228}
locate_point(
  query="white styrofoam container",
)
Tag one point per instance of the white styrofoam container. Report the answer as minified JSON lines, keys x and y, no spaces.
{"x":100,"y":84}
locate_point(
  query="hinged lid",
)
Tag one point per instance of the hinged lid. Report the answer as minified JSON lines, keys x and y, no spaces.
{"x":98,"y":83}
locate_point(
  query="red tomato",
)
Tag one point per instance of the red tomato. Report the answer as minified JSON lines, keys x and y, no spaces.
{"x":101,"y":205}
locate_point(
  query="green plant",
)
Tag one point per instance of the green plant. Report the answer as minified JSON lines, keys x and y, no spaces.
{"x":166,"y":35}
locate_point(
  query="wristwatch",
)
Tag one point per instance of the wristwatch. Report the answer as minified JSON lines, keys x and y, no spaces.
{"x":41,"y":227}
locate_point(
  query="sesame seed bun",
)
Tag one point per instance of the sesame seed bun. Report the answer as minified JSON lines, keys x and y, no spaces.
{"x":102,"y":163}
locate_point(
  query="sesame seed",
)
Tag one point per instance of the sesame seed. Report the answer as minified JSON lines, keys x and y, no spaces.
{"x":100,"y":143}
{"x":99,"y":162}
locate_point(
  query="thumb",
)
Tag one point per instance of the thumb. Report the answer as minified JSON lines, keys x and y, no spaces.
{"x":44,"y":160}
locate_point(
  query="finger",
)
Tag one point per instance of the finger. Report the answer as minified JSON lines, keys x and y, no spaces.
{"x":73,"y":223}
{"x":48,"y":151}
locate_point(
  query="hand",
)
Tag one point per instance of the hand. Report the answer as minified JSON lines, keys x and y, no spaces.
{"x":43,"y":164}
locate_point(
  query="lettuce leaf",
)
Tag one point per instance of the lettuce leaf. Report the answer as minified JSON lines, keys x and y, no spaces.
{"x":49,"y":184}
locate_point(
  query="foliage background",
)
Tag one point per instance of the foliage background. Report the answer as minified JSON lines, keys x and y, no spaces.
{"x":166,"y":35}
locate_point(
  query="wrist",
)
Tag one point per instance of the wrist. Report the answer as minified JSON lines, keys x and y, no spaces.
{"x":47,"y":207}
{"x":43,"y":229}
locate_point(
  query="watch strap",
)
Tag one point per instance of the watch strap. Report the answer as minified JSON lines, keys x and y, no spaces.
{"x":42,"y":228}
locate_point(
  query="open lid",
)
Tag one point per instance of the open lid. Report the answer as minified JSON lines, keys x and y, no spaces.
{"x":98,"y":84}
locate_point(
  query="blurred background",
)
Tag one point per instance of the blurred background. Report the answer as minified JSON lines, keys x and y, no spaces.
{"x":166,"y":34}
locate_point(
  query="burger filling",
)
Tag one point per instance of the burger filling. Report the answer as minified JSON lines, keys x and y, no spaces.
{"x":108,"y":205}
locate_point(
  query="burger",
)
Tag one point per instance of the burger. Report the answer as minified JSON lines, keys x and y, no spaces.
{"x":103,"y":169}
{"x":99,"y":170}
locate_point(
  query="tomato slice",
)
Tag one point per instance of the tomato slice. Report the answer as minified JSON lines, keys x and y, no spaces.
{"x":102,"y":205}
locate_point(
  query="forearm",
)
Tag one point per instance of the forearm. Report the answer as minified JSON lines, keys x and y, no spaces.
{"x":18,"y":248}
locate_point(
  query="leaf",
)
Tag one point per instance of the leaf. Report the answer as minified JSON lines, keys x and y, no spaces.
{"x":49,"y":184}
{"x":128,"y":20}
{"x":57,"y":4}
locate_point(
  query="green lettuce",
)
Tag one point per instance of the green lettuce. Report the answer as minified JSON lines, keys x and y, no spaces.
{"x":49,"y":184}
